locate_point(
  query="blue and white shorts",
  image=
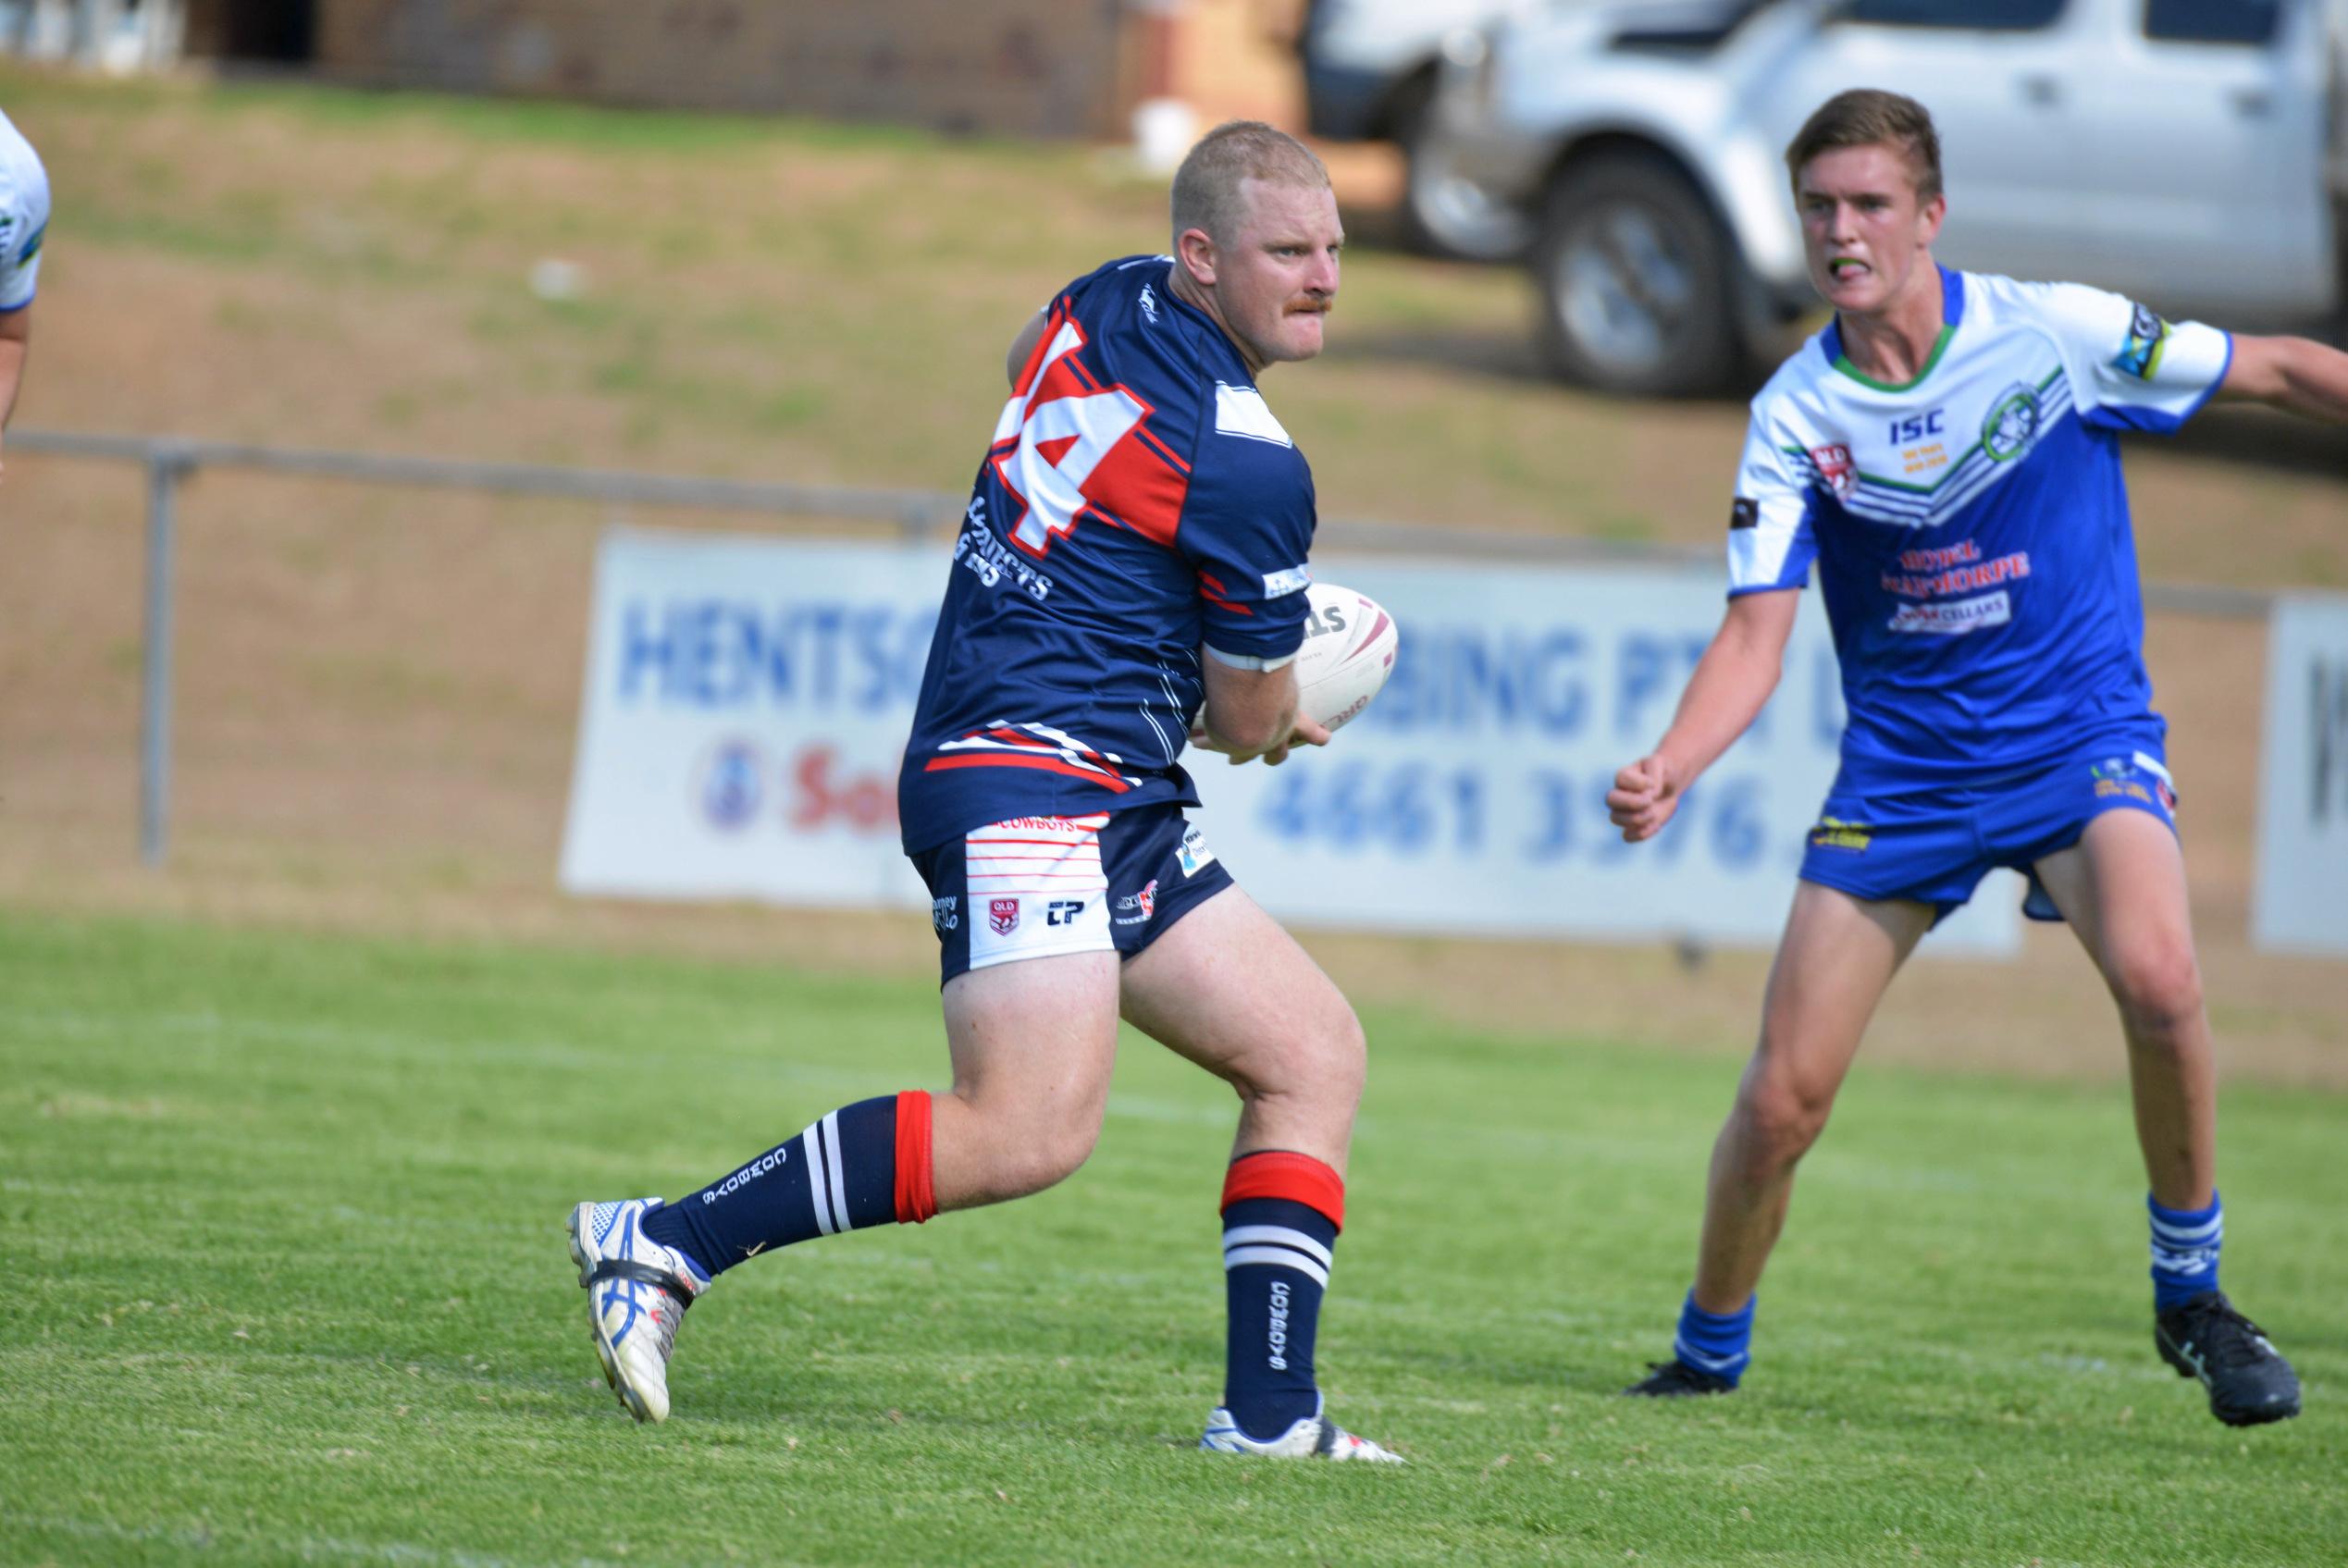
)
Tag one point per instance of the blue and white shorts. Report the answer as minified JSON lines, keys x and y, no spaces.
{"x":1036,"y":887}
{"x":1933,"y":846}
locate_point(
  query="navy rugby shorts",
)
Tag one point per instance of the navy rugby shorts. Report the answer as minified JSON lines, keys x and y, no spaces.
{"x":1035,"y":887}
{"x":1933,"y":846}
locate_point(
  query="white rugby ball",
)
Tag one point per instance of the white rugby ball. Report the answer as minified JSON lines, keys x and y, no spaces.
{"x":1350,"y":642}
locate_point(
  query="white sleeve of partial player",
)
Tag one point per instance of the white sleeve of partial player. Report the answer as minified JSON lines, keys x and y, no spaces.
{"x":24,"y":200}
{"x":2129,"y":367}
{"x":1770,"y":543}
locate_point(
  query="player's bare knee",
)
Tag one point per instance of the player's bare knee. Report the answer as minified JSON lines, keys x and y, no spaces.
{"x":1341,"y":1061}
{"x":1781,"y":1120}
{"x":1054,"y":1157}
{"x":1323,"y":1061}
{"x":1043,"y":1155}
{"x":2159,"y":994}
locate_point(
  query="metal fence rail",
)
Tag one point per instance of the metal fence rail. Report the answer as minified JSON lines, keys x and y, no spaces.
{"x":170,"y":460}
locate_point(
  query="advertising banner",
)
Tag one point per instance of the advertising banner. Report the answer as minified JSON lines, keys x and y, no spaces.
{"x":2302,"y":901}
{"x":747,"y":699}
{"x":746,"y":702}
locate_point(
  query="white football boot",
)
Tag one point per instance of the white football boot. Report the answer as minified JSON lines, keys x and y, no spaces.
{"x":1313,"y":1437}
{"x":638,"y":1291}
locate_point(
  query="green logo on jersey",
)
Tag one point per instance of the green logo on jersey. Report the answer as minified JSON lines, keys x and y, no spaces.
{"x":2012,"y":422}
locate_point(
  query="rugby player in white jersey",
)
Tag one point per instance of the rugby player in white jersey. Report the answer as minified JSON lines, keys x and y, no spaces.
{"x":24,"y":222}
{"x":1132,"y":561}
{"x":1946,"y":452}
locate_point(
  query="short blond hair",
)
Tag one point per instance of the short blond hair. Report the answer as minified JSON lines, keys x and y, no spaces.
{"x":1206,"y":188}
{"x":1868,"y":116}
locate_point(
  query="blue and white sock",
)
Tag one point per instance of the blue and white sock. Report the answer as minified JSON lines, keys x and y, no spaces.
{"x":2184,"y":1250}
{"x":1719,"y":1343}
{"x":1276,"y":1261}
{"x":838,"y":1175}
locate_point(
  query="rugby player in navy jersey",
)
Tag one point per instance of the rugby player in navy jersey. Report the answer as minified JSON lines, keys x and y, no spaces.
{"x":1132,"y":563}
{"x":1946,"y":452}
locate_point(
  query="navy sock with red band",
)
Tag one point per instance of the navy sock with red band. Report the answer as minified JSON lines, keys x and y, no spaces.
{"x":1282,"y":1214}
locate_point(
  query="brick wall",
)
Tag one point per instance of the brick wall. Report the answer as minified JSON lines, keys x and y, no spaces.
{"x":1043,"y":68}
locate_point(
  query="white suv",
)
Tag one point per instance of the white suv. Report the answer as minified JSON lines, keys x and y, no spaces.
{"x":2177,"y":150}
{"x":1370,"y":68}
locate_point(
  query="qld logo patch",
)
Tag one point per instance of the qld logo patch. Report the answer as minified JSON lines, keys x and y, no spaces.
{"x":1003,"y":914}
{"x":1836,"y":468}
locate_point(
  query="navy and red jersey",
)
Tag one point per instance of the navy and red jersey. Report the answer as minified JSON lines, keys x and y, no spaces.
{"x":1139,"y":508}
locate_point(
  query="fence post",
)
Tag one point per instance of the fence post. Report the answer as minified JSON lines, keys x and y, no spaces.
{"x":168,"y":463}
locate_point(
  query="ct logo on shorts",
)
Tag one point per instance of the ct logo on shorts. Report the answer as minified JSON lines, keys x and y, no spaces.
{"x":1003,"y":914}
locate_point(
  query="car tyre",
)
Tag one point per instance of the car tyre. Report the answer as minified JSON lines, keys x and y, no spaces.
{"x":1638,"y":280}
{"x":1444,"y":212}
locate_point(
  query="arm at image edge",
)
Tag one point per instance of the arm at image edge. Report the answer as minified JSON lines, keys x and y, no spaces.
{"x":2296,"y":374}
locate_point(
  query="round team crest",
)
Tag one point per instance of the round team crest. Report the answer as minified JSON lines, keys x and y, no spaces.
{"x":732,"y":784}
{"x":2012,"y":422}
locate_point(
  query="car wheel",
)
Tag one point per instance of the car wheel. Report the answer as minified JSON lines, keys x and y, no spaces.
{"x":1637,"y":280}
{"x":1444,"y":212}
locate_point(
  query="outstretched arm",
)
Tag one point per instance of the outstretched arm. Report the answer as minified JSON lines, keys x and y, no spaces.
{"x":2296,"y":374}
{"x":1731,"y":683}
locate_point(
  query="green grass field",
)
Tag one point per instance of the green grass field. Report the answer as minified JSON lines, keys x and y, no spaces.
{"x":284,"y":1216}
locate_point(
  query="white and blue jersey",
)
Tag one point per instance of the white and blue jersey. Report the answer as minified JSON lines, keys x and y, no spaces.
{"x":1971,"y":528}
{"x":24,"y":217}
{"x":1139,"y":508}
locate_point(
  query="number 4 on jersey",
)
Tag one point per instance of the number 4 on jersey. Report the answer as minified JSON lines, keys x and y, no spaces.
{"x":1069,"y":430}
